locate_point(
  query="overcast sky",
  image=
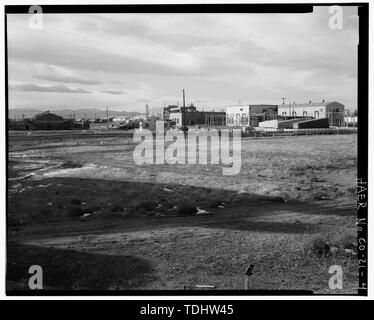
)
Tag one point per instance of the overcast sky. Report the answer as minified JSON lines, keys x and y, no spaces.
{"x":127,"y":60}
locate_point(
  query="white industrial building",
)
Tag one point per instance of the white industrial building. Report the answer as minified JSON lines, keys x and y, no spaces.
{"x":334,"y":111}
{"x":250,"y":115}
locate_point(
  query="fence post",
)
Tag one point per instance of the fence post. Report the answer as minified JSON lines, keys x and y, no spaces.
{"x":247,"y":277}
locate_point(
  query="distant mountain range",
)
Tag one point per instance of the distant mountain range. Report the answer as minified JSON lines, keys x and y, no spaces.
{"x":89,"y":113}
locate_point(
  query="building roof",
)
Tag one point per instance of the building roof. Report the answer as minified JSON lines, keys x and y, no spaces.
{"x":305,"y":105}
{"x":196,"y":112}
{"x":47,"y":116}
{"x":254,"y":109}
{"x":119,"y":118}
{"x":252,"y":105}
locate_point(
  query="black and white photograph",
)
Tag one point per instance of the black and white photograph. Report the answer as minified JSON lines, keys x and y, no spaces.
{"x":190,"y":150}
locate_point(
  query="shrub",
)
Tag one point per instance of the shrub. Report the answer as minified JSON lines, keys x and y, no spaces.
{"x":90,"y":209}
{"x":349,"y":242}
{"x":318,"y":245}
{"x":143,"y":207}
{"x":76,"y":201}
{"x":278,"y":199}
{"x":215,"y":204}
{"x":313,"y":178}
{"x":187,"y":210}
{"x":70,"y":165}
{"x":318,"y":195}
{"x":45,"y":211}
{"x":116,"y":208}
{"x":351,"y":190}
{"x":75,"y":212}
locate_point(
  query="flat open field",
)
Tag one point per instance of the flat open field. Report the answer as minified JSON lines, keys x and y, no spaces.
{"x":81,"y":208}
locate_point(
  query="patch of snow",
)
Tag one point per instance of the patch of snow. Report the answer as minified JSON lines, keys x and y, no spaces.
{"x":201,"y":211}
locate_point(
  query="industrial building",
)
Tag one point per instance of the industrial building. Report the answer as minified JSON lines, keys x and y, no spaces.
{"x":250,"y":115}
{"x":189,"y":116}
{"x":351,"y":121}
{"x":48,"y":121}
{"x":42,"y":121}
{"x":169,"y":109}
{"x":334,"y":111}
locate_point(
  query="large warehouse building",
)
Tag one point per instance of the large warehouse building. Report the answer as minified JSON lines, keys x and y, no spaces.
{"x":334,"y":111}
{"x":189,"y":116}
{"x":250,"y":115}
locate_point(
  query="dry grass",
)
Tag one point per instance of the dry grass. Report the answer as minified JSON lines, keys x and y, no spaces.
{"x":88,"y":201}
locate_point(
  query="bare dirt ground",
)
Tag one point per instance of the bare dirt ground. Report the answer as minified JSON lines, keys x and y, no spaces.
{"x":80,"y":207}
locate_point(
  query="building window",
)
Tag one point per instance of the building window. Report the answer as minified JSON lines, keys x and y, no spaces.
{"x":335,"y":117}
{"x":237,"y":119}
{"x":294,"y":113}
{"x":228,"y":118}
{"x":305,"y":113}
{"x":284,"y":114}
{"x":243,"y":119}
{"x":316,"y":114}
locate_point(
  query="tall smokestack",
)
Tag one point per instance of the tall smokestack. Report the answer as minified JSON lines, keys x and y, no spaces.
{"x":146,"y":112}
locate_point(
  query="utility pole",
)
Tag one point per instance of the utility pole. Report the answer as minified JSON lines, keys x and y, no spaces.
{"x":184,"y":110}
{"x":184,"y":99}
{"x":107,"y":118}
{"x":146,"y":112}
{"x":284,"y":105}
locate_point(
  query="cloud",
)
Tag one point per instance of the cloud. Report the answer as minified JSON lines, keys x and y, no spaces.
{"x":114,"y":92}
{"x":68,"y":79}
{"x":217,"y":58}
{"x":85,"y":57}
{"x":37,"y":88}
